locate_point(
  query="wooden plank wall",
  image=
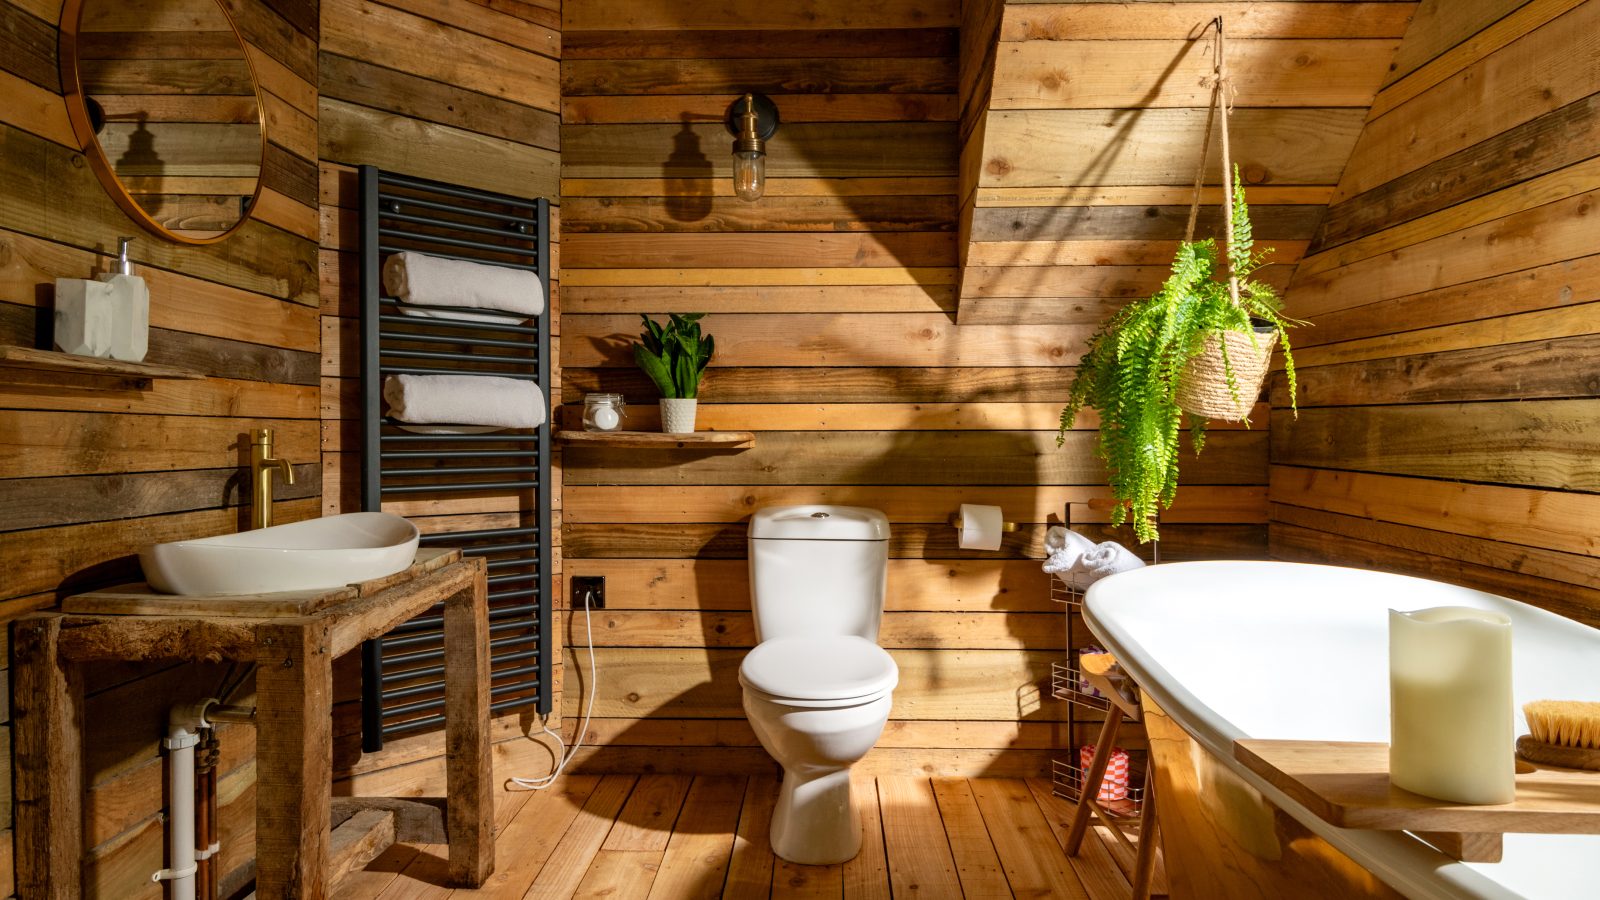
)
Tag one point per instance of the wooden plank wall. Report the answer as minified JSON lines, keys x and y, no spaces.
{"x":1084,"y":136}
{"x":1458,"y":270}
{"x":461,"y":92}
{"x":832,"y":300}
{"x":90,"y":475}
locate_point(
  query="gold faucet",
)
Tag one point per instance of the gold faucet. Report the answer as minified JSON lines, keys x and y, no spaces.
{"x":262,"y":464}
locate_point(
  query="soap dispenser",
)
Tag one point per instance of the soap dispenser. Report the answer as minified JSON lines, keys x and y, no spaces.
{"x":84,"y":317}
{"x":130,"y":308}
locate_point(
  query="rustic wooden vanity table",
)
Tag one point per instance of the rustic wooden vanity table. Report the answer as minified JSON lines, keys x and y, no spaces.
{"x":293,"y":638}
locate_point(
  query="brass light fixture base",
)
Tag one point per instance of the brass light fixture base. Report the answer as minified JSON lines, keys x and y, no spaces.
{"x":766,"y":117}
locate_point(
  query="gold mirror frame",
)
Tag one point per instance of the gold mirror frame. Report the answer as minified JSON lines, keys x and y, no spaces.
{"x":83,"y":129}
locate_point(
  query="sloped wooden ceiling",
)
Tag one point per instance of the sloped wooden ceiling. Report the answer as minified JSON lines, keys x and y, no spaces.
{"x":1082,"y":126}
{"x":1449,"y":421}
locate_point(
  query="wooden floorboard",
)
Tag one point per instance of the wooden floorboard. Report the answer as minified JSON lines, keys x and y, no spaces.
{"x":677,"y":837}
{"x":977,"y":863}
{"x":867,"y":876}
{"x":920,"y":863}
{"x":698,"y":854}
{"x":750,"y":869}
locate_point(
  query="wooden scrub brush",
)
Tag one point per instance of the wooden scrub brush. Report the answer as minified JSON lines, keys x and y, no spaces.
{"x":1564,"y":733}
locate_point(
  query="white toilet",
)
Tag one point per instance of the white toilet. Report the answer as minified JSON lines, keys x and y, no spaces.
{"x":817,"y":687}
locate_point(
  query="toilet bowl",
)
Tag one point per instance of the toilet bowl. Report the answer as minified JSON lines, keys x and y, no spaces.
{"x":817,"y":705}
{"x":817,"y":687}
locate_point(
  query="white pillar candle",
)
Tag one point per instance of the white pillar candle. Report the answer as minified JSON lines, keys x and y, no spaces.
{"x":1450,"y":707}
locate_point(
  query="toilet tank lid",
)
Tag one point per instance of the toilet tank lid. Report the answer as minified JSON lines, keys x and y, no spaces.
{"x":819,"y":523}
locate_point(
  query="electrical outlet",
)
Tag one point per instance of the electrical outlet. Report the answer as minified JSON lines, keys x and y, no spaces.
{"x":594,"y":586}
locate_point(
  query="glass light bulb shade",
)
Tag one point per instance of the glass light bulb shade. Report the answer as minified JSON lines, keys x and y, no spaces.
{"x":749,"y":175}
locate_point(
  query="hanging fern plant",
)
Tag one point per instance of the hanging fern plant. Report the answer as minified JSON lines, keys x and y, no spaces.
{"x":1137,"y":363}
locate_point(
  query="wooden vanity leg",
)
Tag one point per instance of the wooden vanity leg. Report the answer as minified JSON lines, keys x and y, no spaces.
{"x":1092,"y":778}
{"x":294,"y":759}
{"x":47,"y":718}
{"x":469,"y":776}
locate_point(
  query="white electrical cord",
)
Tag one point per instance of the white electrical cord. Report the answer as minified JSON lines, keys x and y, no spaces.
{"x":566,"y":755}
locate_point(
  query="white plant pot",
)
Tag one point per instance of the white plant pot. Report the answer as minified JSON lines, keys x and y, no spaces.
{"x":677,"y":415}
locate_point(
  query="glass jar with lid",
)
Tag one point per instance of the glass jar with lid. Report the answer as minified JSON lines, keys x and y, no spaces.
{"x":603,"y":412}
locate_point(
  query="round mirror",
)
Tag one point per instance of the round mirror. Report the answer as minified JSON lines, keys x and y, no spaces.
{"x":163,"y":100}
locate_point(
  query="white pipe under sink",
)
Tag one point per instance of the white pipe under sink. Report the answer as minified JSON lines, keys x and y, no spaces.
{"x":184,"y":724}
{"x":183,"y":733}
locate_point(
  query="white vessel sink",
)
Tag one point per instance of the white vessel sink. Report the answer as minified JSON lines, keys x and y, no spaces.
{"x":311,"y":555}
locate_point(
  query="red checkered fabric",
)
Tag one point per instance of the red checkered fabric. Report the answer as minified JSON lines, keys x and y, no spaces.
{"x":1115,"y":784}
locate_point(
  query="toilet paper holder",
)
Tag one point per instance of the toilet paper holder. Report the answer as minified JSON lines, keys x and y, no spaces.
{"x":955,"y":522}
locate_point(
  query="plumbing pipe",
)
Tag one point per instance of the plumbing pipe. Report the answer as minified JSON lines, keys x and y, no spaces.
{"x":205,"y":824}
{"x":230,"y":715}
{"x":205,"y":816}
{"x":182,"y":736}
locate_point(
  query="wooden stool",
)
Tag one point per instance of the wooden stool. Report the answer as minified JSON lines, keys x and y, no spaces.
{"x":293,"y":638}
{"x":1101,"y":671}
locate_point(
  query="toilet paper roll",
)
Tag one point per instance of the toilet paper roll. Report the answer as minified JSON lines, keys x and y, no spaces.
{"x":981,"y":527}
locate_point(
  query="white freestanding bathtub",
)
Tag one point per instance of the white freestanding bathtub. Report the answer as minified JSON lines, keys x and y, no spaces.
{"x":1231,"y":650}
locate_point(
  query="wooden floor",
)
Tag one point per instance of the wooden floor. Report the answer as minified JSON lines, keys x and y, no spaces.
{"x":677,"y":836}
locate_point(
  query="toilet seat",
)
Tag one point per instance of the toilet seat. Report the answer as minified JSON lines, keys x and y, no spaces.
{"x":819,"y":671}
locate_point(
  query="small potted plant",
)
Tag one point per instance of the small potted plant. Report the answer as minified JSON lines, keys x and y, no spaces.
{"x":675,"y":357}
{"x":1198,"y":349}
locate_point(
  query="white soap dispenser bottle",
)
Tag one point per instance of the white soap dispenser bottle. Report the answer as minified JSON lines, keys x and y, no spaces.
{"x":130,"y":335}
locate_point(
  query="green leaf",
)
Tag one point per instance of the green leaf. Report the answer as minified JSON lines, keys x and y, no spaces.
{"x":707,"y":348}
{"x":686,"y":376}
{"x":656,"y":369}
{"x":675,"y":354}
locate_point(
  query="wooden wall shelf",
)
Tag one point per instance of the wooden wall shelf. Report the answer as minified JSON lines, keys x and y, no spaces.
{"x":32,"y":366}
{"x":656,"y":440}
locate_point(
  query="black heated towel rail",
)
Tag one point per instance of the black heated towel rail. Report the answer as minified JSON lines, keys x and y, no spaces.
{"x":486,"y":493}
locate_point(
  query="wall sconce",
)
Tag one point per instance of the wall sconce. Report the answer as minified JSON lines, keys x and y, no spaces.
{"x":752,"y":119}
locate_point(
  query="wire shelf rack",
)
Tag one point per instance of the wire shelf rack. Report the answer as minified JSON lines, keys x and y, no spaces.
{"x":1067,"y":683}
{"x":1066,"y":782}
{"x":1067,"y":593}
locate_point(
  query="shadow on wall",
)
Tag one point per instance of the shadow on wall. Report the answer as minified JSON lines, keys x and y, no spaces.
{"x":687,"y":174}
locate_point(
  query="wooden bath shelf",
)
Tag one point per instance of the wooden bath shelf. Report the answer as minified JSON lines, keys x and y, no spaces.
{"x":1347,"y":784}
{"x":32,"y":366}
{"x":656,"y":440}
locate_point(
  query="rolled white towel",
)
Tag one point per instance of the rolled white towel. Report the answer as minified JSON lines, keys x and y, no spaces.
{"x":465,"y":400}
{"x":1107,"y":558}
{"x":1059,"y":537}
{"x":436,"y":281}
{"x":1063,"y":546}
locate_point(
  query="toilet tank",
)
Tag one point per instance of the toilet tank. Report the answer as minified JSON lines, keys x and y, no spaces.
{"x":817,"y":571}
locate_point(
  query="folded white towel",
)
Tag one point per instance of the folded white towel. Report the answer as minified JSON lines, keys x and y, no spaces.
{"x":1063,"y":546}
{"x":1107,"y":558}
{"x":465,"y":400}
{"x":436,"y":281}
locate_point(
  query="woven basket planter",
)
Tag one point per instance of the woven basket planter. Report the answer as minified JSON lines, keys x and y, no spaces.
{"x":1203,"y":389}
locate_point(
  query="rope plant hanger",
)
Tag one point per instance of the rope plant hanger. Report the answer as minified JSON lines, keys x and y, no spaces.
{"x":1198,"y":349}
{"x":1223,"y":381}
